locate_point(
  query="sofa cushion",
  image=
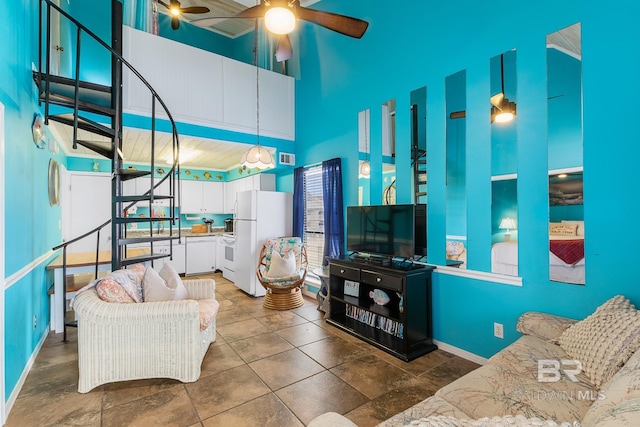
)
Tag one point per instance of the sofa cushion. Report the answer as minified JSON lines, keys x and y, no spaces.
{"x":433,"y":405}
{"x":605,"y":340}
{"x":496,"y":390}
{"x":207,"y":308}
{"x":624,"y":385}
{"x":507,"y":420}
{"x":542,"y":325}
{"x":626,"y":413}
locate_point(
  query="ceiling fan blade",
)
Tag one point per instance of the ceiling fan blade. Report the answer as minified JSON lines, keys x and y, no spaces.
{"x":175,"y":22}
{"x":284,"y":50}
{"x":496,"y":100}
{"x":352,"y":27}
{"x":253,"y":12}
{"x":164,"y":4}
{"x":195,"y":9}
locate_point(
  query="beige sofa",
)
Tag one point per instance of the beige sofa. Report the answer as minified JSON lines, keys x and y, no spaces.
{"x":118,"y":342}
{"x":589,"y":375}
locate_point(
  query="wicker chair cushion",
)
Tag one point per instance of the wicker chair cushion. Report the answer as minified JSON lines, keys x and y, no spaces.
{"x":120,"y":286}
{"x":283,"y":245}
{"x":208,"y":308}
{"x":281,"y":281}
{"x":282,"y":266}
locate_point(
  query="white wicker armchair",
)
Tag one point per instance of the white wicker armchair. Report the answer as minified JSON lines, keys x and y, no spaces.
{"x":120,"y":342}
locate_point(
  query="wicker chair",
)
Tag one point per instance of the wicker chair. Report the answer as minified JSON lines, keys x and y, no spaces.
{"x":121,"y":342}
{"x":283,"y":293}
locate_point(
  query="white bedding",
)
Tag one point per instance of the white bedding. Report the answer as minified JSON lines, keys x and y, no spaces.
{"x":504,"y":260}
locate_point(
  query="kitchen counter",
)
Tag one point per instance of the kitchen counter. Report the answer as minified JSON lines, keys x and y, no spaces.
{"x":185,"y":232}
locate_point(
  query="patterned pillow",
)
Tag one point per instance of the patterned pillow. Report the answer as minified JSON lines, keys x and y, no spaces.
{"x":120,"y":286}
{"x":208,"y":309}
{"x":111,"y":291}
{"x":282,"y":246}
{"x":605,"y":340}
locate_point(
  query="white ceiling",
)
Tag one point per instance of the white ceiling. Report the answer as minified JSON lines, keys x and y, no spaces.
{"x":210,"y":154}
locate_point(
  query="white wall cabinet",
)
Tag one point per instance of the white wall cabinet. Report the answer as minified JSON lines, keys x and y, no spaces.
{"x":261,"y":182}
{"x":229,"y":85}
{"x":139,"y":186}
{"x":202,"y":197}
{"x":201,"y":255}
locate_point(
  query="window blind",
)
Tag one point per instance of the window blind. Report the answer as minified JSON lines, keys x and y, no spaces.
{"x":314,"y":216}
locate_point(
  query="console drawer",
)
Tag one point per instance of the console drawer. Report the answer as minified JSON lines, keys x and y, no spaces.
{"x":380,"y":279}
{"x":345,"y":272}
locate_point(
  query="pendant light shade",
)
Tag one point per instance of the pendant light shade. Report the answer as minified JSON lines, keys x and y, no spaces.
{"x":502,"y":110}
{"x":257,"y":157}
{"x":365,"y":169}
{"x":280,"y":20}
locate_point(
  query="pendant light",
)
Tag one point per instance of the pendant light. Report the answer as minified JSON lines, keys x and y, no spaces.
{"x":257,"y":156}
{"x":502,"y":110}
{"x":365,"y":167}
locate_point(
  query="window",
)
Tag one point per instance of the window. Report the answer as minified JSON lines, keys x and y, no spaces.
{"x":313,"y":236}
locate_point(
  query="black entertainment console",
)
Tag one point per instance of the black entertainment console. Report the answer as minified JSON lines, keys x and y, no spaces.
{"x":402,"y":326}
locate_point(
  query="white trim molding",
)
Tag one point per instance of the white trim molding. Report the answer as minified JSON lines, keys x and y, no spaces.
{"x":460,"y":352}
{"x":479,"y":275}
{"x":15,"y":277}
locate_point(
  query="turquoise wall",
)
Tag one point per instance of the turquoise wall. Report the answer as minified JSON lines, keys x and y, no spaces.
{"x":31,"y":224}
{"x":422,"y":44}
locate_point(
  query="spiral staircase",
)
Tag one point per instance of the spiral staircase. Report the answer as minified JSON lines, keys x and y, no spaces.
{"x":88,"y":106}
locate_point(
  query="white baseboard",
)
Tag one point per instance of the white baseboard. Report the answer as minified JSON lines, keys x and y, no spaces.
{"x":460,"y":352}
{"x":25,"y":372}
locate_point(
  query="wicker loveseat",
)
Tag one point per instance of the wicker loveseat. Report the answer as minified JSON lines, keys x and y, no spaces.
{"x":119,"y":342}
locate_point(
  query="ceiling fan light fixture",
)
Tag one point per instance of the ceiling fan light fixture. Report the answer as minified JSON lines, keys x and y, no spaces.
{"x":175,"y":11}
{"x":280,"y":20}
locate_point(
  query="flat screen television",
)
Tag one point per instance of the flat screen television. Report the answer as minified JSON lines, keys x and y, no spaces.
{"x":388,"y":230}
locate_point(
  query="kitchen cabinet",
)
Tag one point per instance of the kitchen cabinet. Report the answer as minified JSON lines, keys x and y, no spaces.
{"x":219,"y":252}
{"x":261,"y":182}
{"x":179,"y":256}
{"x":202,"y":197}
{"x":139,"y":186}
{"x":201,"y":255}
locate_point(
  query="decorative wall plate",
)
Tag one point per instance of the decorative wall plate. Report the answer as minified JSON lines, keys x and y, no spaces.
{"x":37,"y":131}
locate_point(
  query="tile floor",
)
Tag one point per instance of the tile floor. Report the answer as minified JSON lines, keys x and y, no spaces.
{"x":266,"y":368}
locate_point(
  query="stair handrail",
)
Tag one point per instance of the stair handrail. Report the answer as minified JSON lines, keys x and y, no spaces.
{"x":175,"y":167}
{"x":176,"y":144}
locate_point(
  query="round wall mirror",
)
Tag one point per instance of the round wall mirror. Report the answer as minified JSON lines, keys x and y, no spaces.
{"x":54,"y":183}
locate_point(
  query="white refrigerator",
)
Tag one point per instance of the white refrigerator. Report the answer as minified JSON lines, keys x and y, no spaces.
{"x":259,"y":215}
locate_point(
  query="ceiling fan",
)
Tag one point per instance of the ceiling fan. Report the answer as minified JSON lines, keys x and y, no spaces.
{"x":287,"y":11}
{"x":176,"y":11}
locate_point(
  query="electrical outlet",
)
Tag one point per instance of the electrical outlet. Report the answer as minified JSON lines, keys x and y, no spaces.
{"x":35,"y":321}
{"x":498,"y":330}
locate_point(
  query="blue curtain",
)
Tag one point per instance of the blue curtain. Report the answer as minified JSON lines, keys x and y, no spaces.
{"x":333,"y":208}
{"x":298,"y":202}
{"x":140,"y":14}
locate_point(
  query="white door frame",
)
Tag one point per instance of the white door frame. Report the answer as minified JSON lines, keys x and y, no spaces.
{"x":2,"y":276}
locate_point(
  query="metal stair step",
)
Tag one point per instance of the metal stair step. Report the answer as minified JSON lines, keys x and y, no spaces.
{"x":127,"y":174}
{"x":155,"y":239}
{"x":143,"y":258}
{"x":102,"y":148}
{"x":142,"y":198}
{"x":92,"y":97}
{"x":421,"y":193}
{"x":137,"y":220}
{"x":84,"y":124}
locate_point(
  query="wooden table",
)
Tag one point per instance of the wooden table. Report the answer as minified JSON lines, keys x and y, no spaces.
{"x":82,"y":262}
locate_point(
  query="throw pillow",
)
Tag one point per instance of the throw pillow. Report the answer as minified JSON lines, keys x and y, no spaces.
{"x":156,"y":288}
{"x":556,"y":229}
{"x":111,"y":291}
{"x":171,"y":276}
{"x":282,"y":267}
{"x":605,"y":340}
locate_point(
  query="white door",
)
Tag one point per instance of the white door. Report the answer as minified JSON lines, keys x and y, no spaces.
{"x":89,"y":206}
